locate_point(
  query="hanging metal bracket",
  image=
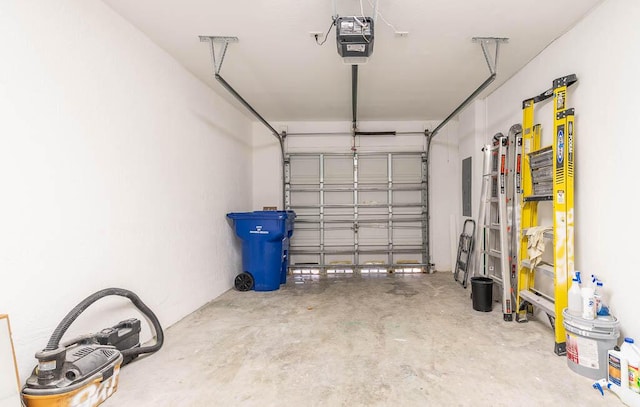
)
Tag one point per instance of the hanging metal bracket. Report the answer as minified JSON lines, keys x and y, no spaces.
{"x":217,"y":62}
{"x":485,"y":42}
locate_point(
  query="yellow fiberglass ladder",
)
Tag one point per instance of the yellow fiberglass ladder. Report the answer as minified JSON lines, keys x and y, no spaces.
{"x":546,"y":175}
{"x":492,"y":251}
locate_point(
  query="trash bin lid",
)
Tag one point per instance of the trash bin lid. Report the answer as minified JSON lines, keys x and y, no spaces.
{"x":257,"y":215}
{"x":270,"y":214}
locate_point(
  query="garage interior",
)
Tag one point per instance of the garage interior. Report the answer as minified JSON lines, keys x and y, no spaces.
{"x":130,"y":130}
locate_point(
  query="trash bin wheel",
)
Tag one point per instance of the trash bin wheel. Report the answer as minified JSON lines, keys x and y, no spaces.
{"x":244,"y":282}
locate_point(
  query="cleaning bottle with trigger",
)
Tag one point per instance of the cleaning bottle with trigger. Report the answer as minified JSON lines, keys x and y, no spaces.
{"x":627,"y":397}
{"x":596,"y":292}
{"x":601,"y":307}
{"x":575,"y":296}
{"x":588,"y":302}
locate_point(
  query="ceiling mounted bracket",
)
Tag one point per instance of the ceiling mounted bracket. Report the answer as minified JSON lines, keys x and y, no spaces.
{"x":485,"y":42}
{"x":225,"y":41}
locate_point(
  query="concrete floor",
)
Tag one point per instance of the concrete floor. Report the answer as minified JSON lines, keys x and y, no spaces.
{"x":390,"y":340}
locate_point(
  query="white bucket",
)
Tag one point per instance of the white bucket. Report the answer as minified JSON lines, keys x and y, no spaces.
{"x":588,"y":341}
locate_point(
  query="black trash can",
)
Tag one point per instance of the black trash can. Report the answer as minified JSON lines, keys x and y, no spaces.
{"x":482,"y":293}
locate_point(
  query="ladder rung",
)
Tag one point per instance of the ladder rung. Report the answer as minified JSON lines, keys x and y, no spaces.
{"x":535,"y":198}
{"x":494,"y":253}
{"x":539,"y":301}
{"x":548,"y":234}
{"x":542,"y":151}
{"x":544,"y":267}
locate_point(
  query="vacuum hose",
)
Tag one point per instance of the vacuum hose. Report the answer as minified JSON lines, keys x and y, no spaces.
{"x":54,"y":340}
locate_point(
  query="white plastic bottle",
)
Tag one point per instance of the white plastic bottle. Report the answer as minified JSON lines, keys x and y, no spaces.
{"x":597,"y":296}
{"x":618,"y":369}
{"x":575,"y":296}
{"x":632,"y":354}
{"x":588,"y":303}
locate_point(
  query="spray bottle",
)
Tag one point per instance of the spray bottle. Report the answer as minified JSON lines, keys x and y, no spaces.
{"x":601,"y":309}
{"x":588,"y":302}
{"x":575,"y":296}
{"x":627,"y":397}
{"x":596,"y":292}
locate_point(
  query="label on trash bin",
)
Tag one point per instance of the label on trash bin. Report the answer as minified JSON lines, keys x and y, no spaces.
{"x":259,"y":231}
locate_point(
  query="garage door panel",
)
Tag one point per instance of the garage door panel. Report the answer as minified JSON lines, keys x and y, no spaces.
{"x":305,"y":169}
{"x":406,"y":235}
{"x":383,"y":226}
{"x":338,"y":213}
{"x":339,"y":198}
{"x":302,"y":260}
{"x":374,"y":215}
{"x":372,"y":234}
{"x":338,"y":170}
{"x":305,"y":199}
{"x":407,"y":211}
{"x":340,"y":237}
{"x":373,"y":170}
{"x":373,"y":197}
{"x":339,"y":216}
{"x":407,"y":197}
{"x":407,"y":169}
{"x":381,"y":214}
{"x":307,"y":237}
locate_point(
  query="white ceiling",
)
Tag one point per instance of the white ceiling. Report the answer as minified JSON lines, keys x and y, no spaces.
{"x":280,"y":70}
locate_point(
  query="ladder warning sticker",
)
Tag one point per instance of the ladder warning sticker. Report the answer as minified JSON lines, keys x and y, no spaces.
{"x":560,"y":197}
{"x":259,"y":231}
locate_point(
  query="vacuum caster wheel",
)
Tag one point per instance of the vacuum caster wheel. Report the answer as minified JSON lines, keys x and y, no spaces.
{"x":243,"y":282}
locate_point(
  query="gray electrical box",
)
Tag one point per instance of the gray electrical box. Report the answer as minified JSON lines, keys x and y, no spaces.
{"x":354,"y":37}
{"x":466,"y":187}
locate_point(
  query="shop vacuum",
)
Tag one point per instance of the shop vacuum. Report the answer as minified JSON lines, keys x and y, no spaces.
{"x":84,"y":371}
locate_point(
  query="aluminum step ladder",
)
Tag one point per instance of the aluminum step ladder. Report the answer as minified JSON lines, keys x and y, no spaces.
{"x":492,"y":257}
{"x":465,"y":248}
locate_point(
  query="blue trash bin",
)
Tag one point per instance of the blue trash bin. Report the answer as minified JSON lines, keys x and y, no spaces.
{"x":262,"y":234}
{"x":290,"y":217}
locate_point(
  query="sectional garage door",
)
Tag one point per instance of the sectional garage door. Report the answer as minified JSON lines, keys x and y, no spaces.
{"x":357,"y":212}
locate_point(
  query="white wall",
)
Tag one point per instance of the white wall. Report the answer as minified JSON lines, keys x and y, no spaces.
{"x":601,"y":51}
{"x":117,"y":168}
{"x":471,"y":127}
{"x":445,"y":166}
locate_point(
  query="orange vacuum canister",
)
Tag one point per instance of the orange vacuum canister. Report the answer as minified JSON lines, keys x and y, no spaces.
{"x":83,"y":372}
{"x":79,"y":375}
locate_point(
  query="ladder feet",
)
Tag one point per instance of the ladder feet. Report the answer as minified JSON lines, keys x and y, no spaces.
{"x":507,"y":317}
{"x":560,"y":349}
{"x":524,"y":312}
